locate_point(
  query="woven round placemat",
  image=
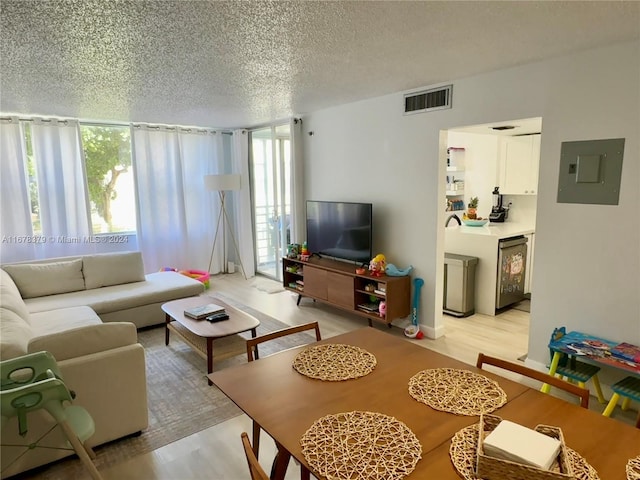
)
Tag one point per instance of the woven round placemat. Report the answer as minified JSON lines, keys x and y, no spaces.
{"x":457,"y":391}
{"x":633,"y":468}
{"x":361,"y":445}
{"x":464,"y":455}
{"x":334,"y":362}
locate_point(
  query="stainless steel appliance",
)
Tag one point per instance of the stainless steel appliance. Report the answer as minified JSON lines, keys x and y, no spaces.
{"x":459,"y":285}
{"x":512,"y":265}
{"x":498,"y":212}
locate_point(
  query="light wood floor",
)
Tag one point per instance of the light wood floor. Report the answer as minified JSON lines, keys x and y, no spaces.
{"x":216,"y":453}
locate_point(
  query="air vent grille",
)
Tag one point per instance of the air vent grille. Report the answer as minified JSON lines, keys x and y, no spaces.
{"x":428,"y":100}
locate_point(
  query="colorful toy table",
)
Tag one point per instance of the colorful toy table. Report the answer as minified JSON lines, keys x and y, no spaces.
{"x":596,"y":350}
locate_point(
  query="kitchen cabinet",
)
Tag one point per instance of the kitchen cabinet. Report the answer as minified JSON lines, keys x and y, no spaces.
{"x":518,"y":165}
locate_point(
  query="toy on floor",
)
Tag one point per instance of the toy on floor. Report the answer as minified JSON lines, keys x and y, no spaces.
{"x":199,"y":275}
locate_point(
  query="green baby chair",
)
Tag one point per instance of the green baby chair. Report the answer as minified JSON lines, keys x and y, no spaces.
{"x":33,"y":382}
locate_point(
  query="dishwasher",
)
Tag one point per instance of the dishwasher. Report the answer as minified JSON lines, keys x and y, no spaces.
{"x":512,"y":265}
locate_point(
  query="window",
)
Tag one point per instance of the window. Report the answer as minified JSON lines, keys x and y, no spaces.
{"x":33,"y":183}
{"x":107,"y":152}
{"x":109,"y":178}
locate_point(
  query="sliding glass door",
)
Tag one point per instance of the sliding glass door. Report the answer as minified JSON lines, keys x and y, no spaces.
{"x":271,"y":170}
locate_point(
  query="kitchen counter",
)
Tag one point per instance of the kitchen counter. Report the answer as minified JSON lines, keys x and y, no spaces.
{"x":482,"y":242}
{"x":497,"y":230}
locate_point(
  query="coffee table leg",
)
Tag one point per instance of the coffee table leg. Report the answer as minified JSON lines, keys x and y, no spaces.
{"x":209,"y":358}
{"x":167,"y":321}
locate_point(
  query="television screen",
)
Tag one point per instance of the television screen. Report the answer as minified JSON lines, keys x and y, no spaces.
{"x":340,"y":229}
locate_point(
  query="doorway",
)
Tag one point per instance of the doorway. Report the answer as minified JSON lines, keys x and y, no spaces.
{"x":479,"y":159}
{"x":271,"y":170}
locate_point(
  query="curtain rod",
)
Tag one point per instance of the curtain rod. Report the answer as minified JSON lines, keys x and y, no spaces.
{"x":116,"y":124}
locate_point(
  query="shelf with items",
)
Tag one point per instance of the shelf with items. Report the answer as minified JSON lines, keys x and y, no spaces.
{"x":455,"y":158}
{"x":455,"y":179}
{"x":455,"y":205}
{"x":293,"y":276}
{"x":337,"y":284}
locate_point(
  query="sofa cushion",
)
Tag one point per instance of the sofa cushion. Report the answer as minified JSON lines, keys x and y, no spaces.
{"x":40,"y":279}
{"x":158,"y":287}
{"x":104,"y":270}
{"x":85,"y":340}
{"x":10,"y":296}
{"x":60,"y":319}
{"x":15,"y":334}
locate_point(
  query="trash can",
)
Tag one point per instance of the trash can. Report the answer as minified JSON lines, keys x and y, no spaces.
{"x":459,"y":285}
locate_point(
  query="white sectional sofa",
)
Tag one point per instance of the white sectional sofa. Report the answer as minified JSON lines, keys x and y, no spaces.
{"x":84,"y":310}
{"x":113,"y":285}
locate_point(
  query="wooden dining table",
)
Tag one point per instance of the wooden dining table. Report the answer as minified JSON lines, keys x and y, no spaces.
{"x":286,"y":403}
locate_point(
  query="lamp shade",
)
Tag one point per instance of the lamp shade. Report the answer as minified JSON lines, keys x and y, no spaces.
{"x":218,"y":183}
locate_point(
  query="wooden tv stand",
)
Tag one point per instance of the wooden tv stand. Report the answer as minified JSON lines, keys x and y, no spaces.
{"x":337,"y":283}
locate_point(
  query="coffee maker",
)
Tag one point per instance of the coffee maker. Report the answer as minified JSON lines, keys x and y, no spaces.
{"x":498,"y":212}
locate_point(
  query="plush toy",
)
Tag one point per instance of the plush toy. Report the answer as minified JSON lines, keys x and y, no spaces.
{"x":377,"y":265}
{"x":382,"y":308}
{"x":394,"y":271}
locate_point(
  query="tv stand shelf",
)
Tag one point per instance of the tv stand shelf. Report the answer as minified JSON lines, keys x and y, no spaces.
{"x":336,"y":283}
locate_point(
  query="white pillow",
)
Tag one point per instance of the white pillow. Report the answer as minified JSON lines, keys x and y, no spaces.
{"x":40,"y":279}
{"x":107,"y":269}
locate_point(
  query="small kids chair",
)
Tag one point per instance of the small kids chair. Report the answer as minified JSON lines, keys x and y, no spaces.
{"x":629,"y":389}
{"x":33,"y":382}
{"x":574,"y":370}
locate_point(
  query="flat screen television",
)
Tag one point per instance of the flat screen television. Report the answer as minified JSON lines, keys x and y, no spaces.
{"x":340,"y":229}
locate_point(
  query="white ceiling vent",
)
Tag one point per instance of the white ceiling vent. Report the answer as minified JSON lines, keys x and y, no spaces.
{"x":428,"y":100}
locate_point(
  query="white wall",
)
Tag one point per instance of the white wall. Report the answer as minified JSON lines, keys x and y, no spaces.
{"x":587,"y":263}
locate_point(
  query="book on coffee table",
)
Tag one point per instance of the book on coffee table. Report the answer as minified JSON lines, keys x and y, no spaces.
{"x":198,"y":313}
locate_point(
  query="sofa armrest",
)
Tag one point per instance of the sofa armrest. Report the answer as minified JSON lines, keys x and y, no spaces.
{"x":77,"y":342}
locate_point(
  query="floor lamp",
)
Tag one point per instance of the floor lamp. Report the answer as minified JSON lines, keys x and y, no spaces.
{"x":223,"y":184}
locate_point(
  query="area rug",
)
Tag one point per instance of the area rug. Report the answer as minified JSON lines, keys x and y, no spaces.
{"x":267,"y":285}
{"x":180,"y":401}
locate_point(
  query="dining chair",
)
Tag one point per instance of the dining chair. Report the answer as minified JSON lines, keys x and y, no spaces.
{"x":33,"y":382}
{"x":252,"y":354}
{"x":574,"y":370}
{"x":580,"y":392}
{"x":629,"y":389}
{"x":256,"y":471}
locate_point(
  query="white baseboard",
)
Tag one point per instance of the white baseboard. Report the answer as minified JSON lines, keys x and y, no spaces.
{"x":431,"y":332}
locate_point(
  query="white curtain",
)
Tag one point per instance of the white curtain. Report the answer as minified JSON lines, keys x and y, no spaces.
{"x":202,"y":154}
{"x":15,"y":221}
{"x":62,"y":192}
{"x":162,"y":226}
{"x":175,"y":212}
{"x":298,"y":215}
{"x":242,"y":202}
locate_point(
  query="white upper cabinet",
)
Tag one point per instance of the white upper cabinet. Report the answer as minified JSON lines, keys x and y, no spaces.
{"x":518,"y":164}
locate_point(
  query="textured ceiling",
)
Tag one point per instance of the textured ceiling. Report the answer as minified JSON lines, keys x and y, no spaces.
{"x":245,"y":63}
